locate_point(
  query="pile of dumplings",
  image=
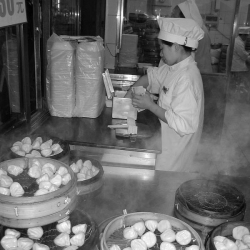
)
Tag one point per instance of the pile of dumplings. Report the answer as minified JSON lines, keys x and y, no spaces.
{"x":69,"y":238}
{"x":47,"y":176}
{"x":143,"y":235}
{"x":84,"y":170}
{"x":241,"y":240}
{"x":37,"y":148}
{"x":66,"y":239}
{"x":12,"y":239}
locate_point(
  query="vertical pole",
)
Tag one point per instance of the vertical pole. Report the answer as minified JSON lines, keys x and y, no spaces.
{"x":37,"y":33}
{"x":25,"y":71}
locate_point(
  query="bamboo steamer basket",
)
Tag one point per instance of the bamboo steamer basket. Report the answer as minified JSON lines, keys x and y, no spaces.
{"x":50,"y":231}
{"x":63,"y":156}
{"x":205,"y":204}
{"x":112,"y":236}
{"x":225,"y":229}
{"x":92,"y":186}
{"x":31,"y":211}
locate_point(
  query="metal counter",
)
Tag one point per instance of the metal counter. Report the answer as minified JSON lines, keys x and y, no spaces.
{"x":100,"y":142}
{"x":138,"y":190}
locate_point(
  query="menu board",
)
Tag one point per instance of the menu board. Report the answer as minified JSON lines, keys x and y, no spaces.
{"x":12,"y":12}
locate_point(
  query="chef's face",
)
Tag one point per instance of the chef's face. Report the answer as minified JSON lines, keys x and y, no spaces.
{"x":168,"y":54}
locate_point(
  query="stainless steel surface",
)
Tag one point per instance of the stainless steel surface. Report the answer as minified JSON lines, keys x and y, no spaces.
{"x":124,"y":77}
{"x":139,"y":190}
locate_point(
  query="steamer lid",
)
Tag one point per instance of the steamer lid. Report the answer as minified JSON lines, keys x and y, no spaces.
{"x":210,"y":198}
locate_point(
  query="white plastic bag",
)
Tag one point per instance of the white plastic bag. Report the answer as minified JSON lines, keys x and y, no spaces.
{"x":90,"y":91}
{"x":60,"y":80}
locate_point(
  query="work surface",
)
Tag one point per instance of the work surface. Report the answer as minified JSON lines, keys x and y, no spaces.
{"x":138,"y":190}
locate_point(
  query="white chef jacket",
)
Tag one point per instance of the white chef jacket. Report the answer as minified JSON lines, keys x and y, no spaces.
{"x":240,"y":56}
{"x":181,"y":94}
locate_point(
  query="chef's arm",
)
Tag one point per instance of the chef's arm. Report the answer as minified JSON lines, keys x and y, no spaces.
{"x":143,"y":81}
{"x":158,"y":111}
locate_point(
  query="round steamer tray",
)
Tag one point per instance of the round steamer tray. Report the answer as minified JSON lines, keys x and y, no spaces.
{"x":225,"y":229}
{"x":93,"y":185}
{"x":113,"y":232}
{"x":61,"y":156}
{"x":50,"y":231}
{"x":205,"y":204}
{"x":30,"y":211}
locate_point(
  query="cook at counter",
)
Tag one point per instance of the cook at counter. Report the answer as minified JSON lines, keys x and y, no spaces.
{"x":178,"y":82}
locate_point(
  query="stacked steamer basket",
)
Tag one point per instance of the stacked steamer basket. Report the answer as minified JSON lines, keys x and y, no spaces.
{"x":89,"y":173}
{"x":60,"y":147}
{"x":114,"y":232}
{"x":225,"y":230}
{"x":205,"y":204}
{"x":150,"y":44}
{"x":42,"y":209}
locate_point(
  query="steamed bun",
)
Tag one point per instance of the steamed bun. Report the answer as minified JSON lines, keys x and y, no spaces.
{"x":16,"y":189}
{"x":35,"y":232}
{"x":149,"y":238}
{"x":163,"y":225}
{"x":130,"y":233}
{"x":151,"y":225}
{"x":239,"y":231}
{"x":139,"y":227}
{"x":168,"y":235}
{"x":25,"y":243}
{"x":183,"y":237}
{"x":8,"y":242}
{"x":62,"y":240}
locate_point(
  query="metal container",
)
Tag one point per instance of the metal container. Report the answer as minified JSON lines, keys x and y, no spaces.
{"x":205,"y":204}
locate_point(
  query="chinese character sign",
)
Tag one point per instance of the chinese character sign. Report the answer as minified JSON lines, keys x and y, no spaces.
{"x":12,"y":12}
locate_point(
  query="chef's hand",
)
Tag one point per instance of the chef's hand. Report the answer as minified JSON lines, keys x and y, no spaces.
{"x":142,"y":102}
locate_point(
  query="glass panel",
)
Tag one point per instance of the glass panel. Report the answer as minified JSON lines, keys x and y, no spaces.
{"x":64,"y":17}
{"x":9,"y":75}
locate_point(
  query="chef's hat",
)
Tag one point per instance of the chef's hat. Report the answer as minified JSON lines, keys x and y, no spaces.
{"x":244,"y":30}
{"x":190,"y":10}
{"x":183,"y":31}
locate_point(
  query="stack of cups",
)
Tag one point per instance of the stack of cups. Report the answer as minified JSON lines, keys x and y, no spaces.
{"x":90,"y":92}
{"x":62,"y":92}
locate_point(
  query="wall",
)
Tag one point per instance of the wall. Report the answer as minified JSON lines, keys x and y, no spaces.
{"x":226,"y":18}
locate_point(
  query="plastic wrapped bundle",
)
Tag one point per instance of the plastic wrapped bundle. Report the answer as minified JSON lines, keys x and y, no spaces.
{"x":60,"y":77}
{"x":90,"y":92}
{"x":128,"y":54}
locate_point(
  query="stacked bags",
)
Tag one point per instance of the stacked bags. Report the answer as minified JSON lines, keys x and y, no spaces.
{"x":74,"y":83}
{"x":90,"y":91}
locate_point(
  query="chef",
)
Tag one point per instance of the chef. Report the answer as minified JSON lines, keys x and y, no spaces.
{"x":189,"y":9}
{"x":178,"y":82}
{"x":241,"y":57}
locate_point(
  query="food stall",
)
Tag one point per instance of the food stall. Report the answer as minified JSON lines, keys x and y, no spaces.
{"x":126,"y":185}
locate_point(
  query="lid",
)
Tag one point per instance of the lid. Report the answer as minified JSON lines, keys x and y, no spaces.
{"x":210,"y":198}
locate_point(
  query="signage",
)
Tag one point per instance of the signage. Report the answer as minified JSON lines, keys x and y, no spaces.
{"x":12,"y":12}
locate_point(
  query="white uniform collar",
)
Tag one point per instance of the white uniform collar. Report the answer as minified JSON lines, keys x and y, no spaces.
{"x":184,"y":63}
